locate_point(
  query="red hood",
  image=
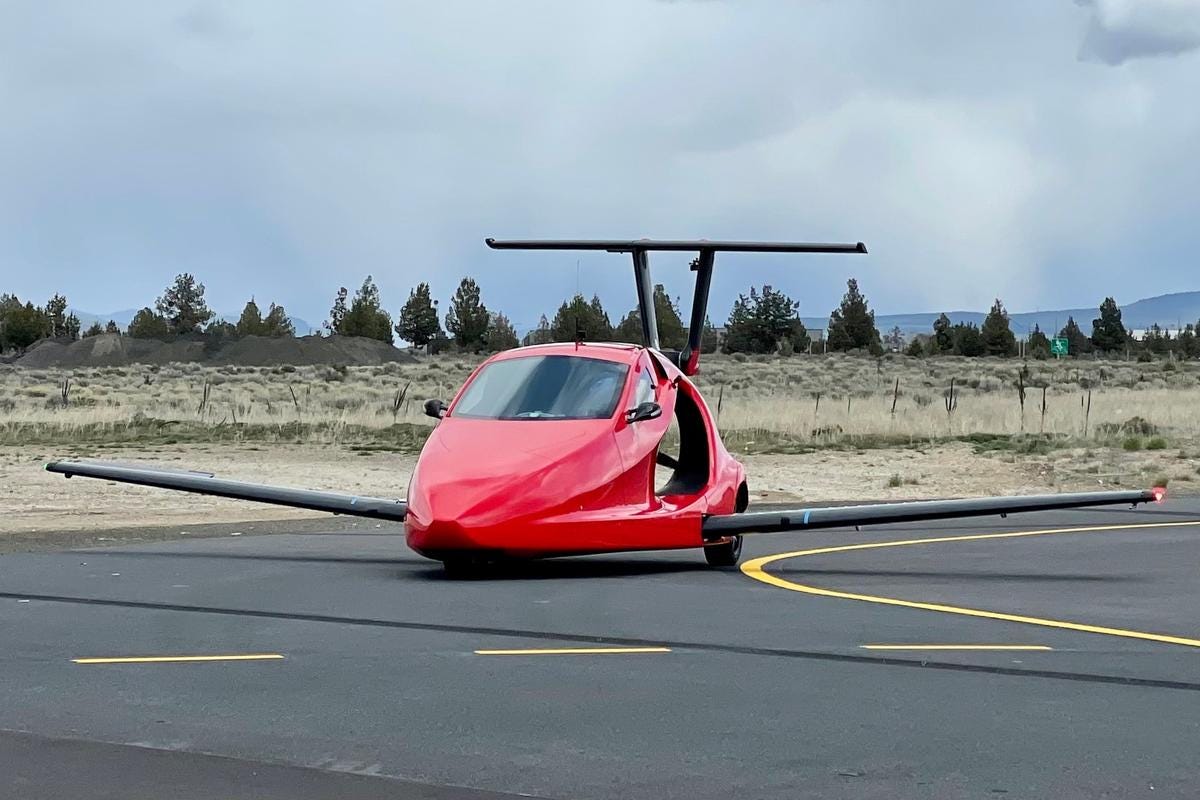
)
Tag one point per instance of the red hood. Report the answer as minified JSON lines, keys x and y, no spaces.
{"x":480,"y":471}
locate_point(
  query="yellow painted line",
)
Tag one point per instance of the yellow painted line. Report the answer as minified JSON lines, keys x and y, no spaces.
{"x":755,"y":569}
{"x":573,"y":651}
{"x":168,"y":659}
{"x":955,"y":647}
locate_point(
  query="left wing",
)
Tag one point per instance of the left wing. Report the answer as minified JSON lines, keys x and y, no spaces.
{"x":203,"y":483}
{"x":800,"y":519}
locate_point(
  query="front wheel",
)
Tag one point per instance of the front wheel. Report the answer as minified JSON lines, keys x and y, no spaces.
{"x":726,"y":554}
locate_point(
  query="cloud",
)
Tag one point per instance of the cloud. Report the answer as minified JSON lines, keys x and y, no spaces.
{"x":1120,"y":30}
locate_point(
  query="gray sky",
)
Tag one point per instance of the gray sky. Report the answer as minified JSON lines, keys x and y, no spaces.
{"x":1047,"y":152}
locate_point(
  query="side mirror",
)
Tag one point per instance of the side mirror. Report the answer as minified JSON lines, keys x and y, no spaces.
{"x":644,"y":411}
{"x":435,"y":409}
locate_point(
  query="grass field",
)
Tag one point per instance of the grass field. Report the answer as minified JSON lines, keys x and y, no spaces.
{"x":763,"y":405}
{"x":811,"y":428}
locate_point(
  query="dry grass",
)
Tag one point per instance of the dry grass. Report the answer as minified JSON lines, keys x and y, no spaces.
{"x":763,"y":404}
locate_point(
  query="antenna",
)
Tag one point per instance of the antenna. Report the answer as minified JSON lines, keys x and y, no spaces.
{"x":688,"y":359}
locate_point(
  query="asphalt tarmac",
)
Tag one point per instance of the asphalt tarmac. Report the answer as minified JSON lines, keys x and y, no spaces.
{"x":822,"y":674}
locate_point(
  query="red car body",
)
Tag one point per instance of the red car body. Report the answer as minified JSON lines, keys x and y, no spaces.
{"x":523,"y":488}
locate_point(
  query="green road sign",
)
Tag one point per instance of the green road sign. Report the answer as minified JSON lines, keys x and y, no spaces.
{"x":1058,"y":347}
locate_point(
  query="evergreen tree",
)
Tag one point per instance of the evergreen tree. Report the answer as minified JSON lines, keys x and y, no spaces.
{"x":762,"y":321}
{"x":1156,"y":340}
{"x":968,"y":341}
{"x":542,"y":334}
{"x":468,"y":317}
{"x":56,"y":316}
{"x":112,"y":327}
{"x":1108,"y":331}
{"x":1187,"y":343}
{"x":183,"y":306}
{"x":146,"y":324}
{"x":95,"y":329}
{"x":915,"y":348}
{"x":500,"y":334}
{"x":1039,"y":343}
{"x":250,"y":323}
{"x":671,"y":335}
{"x":581,"y":319}
{"x":894,"y":340}
{"x":630,"y":328}
{"x":709,"y":339}
{"x":852,"y":324}
{"x":998,"y":338}
{"x":366,"y":316}
{"x":943,"y":336}
{"x":21,"y":325}
{"x":277,"y":322}
{"x":337,"y":314}
{"x":1077,"y":341}
{"x":418,"y":322}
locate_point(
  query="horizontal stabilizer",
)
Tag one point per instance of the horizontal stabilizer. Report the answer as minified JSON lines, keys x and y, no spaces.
{"x":203,"y":483}
{"x":697,"y":245}
{"x":802,"y":519}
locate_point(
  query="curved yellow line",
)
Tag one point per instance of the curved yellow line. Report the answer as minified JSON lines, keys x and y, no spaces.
{"x":755,"y":569}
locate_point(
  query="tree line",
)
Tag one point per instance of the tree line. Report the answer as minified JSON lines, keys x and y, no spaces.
{"x":765,"y":320}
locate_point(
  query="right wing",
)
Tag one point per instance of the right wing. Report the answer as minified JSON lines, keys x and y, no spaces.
{"x":801,"y":519}
{"x":202,"y":483}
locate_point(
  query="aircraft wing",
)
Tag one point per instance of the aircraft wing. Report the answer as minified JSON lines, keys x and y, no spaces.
{"x":203,"y":483}
{"x":802,"y":519}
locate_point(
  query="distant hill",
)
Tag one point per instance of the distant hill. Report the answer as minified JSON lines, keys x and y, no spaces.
{"x":303,"y":327}
{"x":1167,"y":310}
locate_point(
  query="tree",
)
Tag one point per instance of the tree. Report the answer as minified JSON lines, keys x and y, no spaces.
{"x":250,"y":323}
{"x":56,"y":315}
{"x":542,"y":334}
{"x":915,"y":348}
{"x":1156,"y":340}
{"x":146,"y":324}
{"x":95,"y":329}
{"x":581,"y":319}
{"x":1039,"y":343}
{"x":709,"y":339}
{"x":1187,"y":342}
{"x":72,"y":326}
{"x":761,"y":321}
{"x":671,"y":333}
{"x":418,"y":321}
{"x":997,"y":335}
{"x":21,"y":325}
{"x":500,"y":334}
{"x":943,"y":336}
{"x":277,"y":322}
{"x":894,"y":340}
{"x":183,"y":306}
{"x":112,"y":327}
{"x":852,"y":324}
{"x":1108,"y":331}
{"x":338,"y":313}
{"x":1077,"y":342}
{"x":366,"y":316}
{"x":468,"y":318}
{"x":968,"y":341}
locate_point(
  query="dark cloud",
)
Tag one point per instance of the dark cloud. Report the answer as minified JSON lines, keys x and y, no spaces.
{"x":1120,"y":30}
{"x":280,"y":150}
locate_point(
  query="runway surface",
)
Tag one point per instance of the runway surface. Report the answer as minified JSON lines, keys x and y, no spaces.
{"x":362,"y":672}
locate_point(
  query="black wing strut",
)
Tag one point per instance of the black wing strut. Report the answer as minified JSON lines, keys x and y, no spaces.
{"x":201,"y":483}
{"x":801,"y":519}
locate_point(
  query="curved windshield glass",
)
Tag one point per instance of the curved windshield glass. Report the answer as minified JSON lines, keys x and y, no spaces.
{"x":544,"y":387}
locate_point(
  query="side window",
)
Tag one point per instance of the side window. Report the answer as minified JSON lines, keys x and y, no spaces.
{"x":645,"y":388}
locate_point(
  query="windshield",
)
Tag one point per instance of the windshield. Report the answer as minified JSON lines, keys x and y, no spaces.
{"x":544,"y":387}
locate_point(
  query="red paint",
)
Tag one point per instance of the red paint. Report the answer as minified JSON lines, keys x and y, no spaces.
{"x":527,"y":488}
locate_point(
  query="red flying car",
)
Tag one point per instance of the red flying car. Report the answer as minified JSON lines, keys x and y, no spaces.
{"x":552,"y":450}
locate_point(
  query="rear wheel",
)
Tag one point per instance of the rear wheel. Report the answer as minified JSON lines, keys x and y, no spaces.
{"x":463,"y":569}
{"x":726,"y":554}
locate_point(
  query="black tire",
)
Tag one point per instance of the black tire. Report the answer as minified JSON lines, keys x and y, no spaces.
{"x":724,"y":555}
{"x":463,"y":569}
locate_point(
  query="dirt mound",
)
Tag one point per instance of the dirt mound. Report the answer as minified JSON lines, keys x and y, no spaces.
{"x":113,"y":350}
